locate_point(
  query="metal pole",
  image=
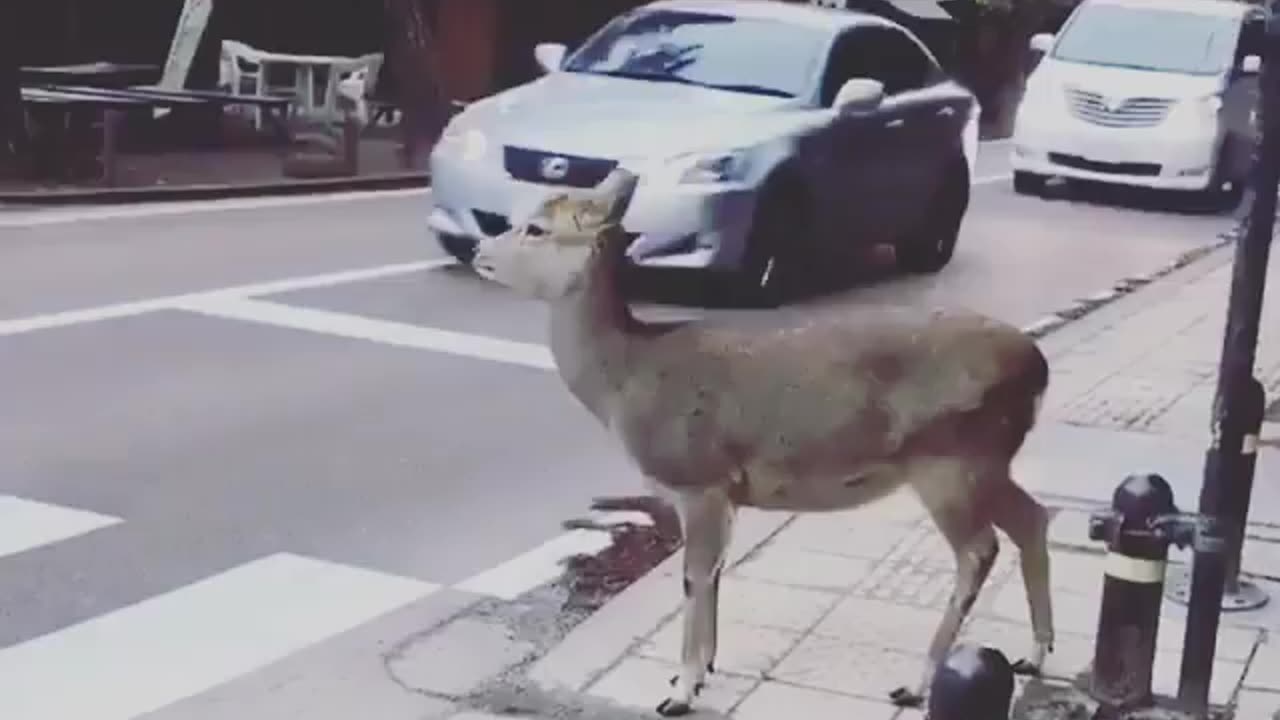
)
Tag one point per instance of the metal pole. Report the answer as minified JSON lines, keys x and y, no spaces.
{"x":972,"y":683}
{"x":1219,"y":494}
{"x":1132,"y":591}
{"x":1238,"y":593}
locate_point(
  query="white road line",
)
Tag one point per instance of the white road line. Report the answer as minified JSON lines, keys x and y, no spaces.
{"x":139,"y":307}
{"x":382,"y":331}
{"x":61,"y":216}
{"x":172,"y":646}
{"x":28,"y":524}
{"x":987,"y":180}
{"x":540,"y":565}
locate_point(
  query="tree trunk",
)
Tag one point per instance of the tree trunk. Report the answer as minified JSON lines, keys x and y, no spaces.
{"x":411,"y":50}
{"x":13,"y":130}
{"x":1009,"y":62}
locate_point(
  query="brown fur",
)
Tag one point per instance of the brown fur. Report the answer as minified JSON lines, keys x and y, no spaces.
{"x":831,"y":412}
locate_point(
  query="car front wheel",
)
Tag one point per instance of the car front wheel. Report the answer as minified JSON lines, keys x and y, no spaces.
{"x":768,"y":276}
{"x":931,"y":246}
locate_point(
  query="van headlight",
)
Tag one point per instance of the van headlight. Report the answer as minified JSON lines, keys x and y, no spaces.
{"x":1198,"y":114}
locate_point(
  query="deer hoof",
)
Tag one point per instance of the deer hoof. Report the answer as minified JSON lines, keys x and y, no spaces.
{"x":696,"y":688}
{"x":902,"y":697}
{"x":1026,"y":667}
{"x":711,"y":668}
{"x":673,"y":708}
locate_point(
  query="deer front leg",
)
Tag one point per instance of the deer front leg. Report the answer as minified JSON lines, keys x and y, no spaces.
{"x":707,"y":517}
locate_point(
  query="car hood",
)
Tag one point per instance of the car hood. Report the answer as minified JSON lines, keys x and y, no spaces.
{"x":600,"y":116}
{"x":1120,"y":82}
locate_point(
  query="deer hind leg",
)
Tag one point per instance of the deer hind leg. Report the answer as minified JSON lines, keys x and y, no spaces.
{"x":974,"y":543}
{"x":707,"y":519}
{"x":1026,"y":522}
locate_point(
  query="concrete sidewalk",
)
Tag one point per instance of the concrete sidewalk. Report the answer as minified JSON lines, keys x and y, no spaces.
{"x":823,"y":614}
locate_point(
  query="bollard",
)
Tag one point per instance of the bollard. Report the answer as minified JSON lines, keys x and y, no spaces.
{"x":1138,"y":530}
{"x":972,"y":683}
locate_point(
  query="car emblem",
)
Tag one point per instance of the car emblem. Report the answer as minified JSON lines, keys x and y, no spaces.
{"x":1112,"y":104}
{"x":554,"y":168}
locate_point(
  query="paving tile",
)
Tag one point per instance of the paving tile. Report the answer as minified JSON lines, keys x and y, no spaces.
{"x":862,"y":621}
{"x":769,"y":605}
{"x":855,"y":533}
{"x":835,"y":665}
{"x":1072,"y":613}
{"x":459,"y":658}
{"x":1261,"y":558}
{"x":1072,"y":654}
{"x":772,"y":701}
{"x":1264,"y":671}
{"x":1076,"y":573}
{"x":801,"y":568}
{"x":643,"y":683}
{"x":1226,"y":678}
{"x":743,"y":649}
{"x":1234,"y":643}
{"x":1254,"y":705}
{"x":1070,"y":527}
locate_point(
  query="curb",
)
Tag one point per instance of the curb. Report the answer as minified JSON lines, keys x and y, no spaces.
{"x":220,"y":191}
{"x":1082,"y":307}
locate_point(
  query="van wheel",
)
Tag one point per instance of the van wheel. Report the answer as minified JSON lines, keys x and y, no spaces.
{"x":929,"y":248}
{"x":1028,"y":183}
{"x":1223,"y":193}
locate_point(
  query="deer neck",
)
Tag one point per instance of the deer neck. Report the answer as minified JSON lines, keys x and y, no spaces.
{"x":592,"y":331}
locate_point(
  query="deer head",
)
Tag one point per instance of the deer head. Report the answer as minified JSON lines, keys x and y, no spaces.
{"x":546,"y":255}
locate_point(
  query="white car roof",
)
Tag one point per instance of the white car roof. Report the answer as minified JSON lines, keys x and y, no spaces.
{"x":1221,"y":8}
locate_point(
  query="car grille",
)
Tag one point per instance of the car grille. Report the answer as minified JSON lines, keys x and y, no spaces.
{"x":580,"y":172}
{"x":1130,"y":168}
{"x":1134,"y":112}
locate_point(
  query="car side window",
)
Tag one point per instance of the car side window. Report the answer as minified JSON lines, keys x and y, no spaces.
{"x":878,"y":53}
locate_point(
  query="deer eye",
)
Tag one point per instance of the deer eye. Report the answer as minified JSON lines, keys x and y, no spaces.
{"x":535,"y":230}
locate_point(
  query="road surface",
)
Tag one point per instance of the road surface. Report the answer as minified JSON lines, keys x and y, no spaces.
{"x":233,"y":432}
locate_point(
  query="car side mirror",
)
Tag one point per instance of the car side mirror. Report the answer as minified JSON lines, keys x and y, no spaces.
{"x":859,"y":95}
{"x":1041,"y":42}
{"x":550,"y":56}
{"x":1251,"y":65}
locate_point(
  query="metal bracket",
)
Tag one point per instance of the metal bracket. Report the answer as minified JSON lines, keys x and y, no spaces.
{"x":1202,"y":533}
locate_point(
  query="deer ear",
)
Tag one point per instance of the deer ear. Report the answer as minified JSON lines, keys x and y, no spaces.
{"x":614,"y":194}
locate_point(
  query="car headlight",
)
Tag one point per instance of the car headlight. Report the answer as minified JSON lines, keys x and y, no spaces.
{"x":716,"y":167}
{"x":1199,"y":113}
{"x":1040,"y":97}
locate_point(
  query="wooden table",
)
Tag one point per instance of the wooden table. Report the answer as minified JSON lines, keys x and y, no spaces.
{"x":98,"y":74}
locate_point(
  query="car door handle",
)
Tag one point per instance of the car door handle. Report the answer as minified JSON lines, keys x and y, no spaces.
{"x":895,"y":123}
{"x":947,"y":111}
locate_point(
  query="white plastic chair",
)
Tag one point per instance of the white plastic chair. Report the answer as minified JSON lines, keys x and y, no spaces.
{"x":365,"y":67}
{"x":243,"y":72}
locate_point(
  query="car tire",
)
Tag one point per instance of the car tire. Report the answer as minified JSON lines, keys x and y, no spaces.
{"x":1028,"y":183}
{"x":1215,"y":199}
{"x":929,"y":248}
{"x":768,"y":275}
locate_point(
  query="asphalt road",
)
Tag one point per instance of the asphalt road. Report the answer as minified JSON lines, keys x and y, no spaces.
{"x":239,"y":426}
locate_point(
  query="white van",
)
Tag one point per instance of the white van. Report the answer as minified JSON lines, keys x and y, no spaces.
{"x":1152,"y":93}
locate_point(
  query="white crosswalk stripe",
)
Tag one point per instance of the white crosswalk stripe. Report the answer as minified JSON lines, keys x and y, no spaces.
{"x":192,"y":639}
{"x":27,"y":524}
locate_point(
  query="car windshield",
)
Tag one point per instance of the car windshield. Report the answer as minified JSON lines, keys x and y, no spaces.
{"x":709,"y":49}
{"x":1172,"y":41}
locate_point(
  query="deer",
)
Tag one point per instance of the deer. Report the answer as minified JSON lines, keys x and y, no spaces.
{"x":830,"y":412}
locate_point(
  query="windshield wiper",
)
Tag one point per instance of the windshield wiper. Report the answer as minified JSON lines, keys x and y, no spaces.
{"x":752,"y":89}
{"x":633,"y":75}
{"x":742,"y":88}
